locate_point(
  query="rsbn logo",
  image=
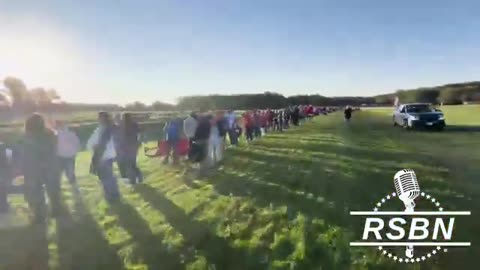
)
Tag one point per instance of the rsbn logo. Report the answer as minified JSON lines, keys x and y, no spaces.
{"x":431,"y":232}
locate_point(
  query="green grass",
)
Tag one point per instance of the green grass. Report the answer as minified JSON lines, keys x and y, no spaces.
{"x":280,"y":203}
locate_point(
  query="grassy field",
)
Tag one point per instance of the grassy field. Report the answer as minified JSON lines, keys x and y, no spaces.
{"x":281,"y":203}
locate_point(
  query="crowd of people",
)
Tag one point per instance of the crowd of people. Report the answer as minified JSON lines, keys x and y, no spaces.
{"x":47,"y":153}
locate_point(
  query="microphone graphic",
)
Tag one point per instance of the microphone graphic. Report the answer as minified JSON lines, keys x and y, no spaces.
{"x":407,"y":188}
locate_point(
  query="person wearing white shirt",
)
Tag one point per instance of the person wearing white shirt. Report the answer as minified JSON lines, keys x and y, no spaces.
{"x":190,"y":125}
{"x":68,"y":145}
{"x":102,"y":144}
{"x":213,"y":144}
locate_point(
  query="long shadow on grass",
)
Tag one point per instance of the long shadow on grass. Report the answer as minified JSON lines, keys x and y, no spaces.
{"x":81,"y":244}
{"x":333,"y":182}
{"x":357,"y":151}
{"x":150,"y":246}
{"x":216,"y":250}
{"x":275,"y":178}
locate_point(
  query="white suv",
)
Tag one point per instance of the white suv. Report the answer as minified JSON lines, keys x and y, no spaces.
{"x":416,"y":115}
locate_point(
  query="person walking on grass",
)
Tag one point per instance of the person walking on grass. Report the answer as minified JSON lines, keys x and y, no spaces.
{"x":231,"y":119}
{"x":287,"y":117}
{"x":130,"y":142}
{"x":201,"y":141}
{"x":118,"y":136}
{"x":173,"y":130}
{"x":222,"y":127}
{"x":257,"y":121}
{"x":249,"y":126}
{"x":40,"y":168}
{"x":67,"y":149}
{"x":101,"y":142}
{"x":190,"y":125}
{"x":348,"y":113}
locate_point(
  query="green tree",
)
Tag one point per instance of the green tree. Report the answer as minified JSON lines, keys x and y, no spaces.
{"x":450,"y":96}
{"x":162,"y":106}
{"x":136,"y":106}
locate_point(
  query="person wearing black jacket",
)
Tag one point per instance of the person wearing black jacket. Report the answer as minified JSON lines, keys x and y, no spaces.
{"x":130,"y":142}
{"x":199,"y":151}
{"x":348,"y":113}
{"x":200,"y":139}
{"x":295,"y":115}
{"x":40,"y":168}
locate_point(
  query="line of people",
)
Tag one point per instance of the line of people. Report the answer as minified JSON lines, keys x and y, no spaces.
{"x":209,"y":132}
{"x":47,"y":153}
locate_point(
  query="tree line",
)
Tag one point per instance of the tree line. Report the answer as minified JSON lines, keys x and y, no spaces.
{"x":266,"y":100}
{"x":449,"y":94}
{"x":18,"y":98}
{"x":23,"y":99}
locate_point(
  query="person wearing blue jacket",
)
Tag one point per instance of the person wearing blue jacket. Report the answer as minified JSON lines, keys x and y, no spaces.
{"x":172,"y":131}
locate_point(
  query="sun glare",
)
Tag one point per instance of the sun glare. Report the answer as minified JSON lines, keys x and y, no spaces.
{"x":40,"y":56}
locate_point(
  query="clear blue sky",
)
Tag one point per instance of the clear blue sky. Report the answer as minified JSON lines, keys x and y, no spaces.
{"x":121,"y":51}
